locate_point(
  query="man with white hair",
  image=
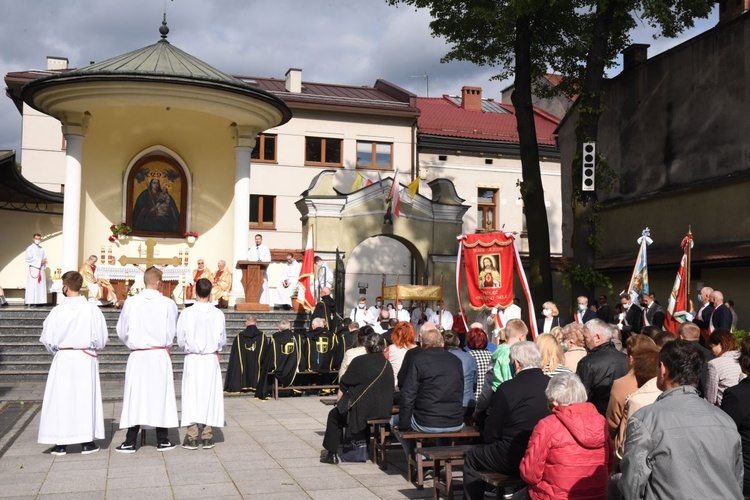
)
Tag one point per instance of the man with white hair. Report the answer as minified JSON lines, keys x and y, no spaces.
{"x":221,"y":285}
{"x":721,"y":316}
{"x":516,"y":407}
{"x":603,"y":365}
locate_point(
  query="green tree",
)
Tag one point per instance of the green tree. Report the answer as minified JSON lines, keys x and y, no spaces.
{"x":527,"y":38}
{"x":520,"y":38}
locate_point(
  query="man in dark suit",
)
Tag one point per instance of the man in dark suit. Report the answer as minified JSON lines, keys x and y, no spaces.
{"x":632,"y":323}
{"x":721,"y":317}
{"x":515,"y":408}
{"x":653,"y":313}
{"x":583,"y":314}
{"x":604,"y":312}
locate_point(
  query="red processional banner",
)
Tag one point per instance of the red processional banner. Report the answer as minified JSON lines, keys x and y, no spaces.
{"x":488,"y":263}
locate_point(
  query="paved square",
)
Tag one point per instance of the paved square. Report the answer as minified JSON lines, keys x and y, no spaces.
{"x":268,"y":449}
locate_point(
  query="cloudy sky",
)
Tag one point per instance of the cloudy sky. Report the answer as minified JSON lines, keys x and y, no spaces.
{"x":334,"y":41}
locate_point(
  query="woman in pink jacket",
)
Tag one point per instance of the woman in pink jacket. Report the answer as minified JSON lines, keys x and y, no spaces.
{"x":570,"y":453}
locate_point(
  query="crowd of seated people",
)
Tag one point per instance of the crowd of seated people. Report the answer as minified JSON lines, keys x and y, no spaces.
{"x":573,"y":414}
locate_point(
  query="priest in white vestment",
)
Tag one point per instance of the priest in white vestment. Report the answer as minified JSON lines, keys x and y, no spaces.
{"x":288,"y":284}
{"x":147,"y":327}
{"x":72,"y":407}
{"x":261,"y":253}
{"x":201,"y":332}
{"x":36,"y":279}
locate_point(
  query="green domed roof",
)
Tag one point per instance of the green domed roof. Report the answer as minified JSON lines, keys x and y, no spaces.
{"x":161,"y":62}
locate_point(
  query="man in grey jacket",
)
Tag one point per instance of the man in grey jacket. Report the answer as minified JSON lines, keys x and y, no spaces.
{"x":681,"y":446}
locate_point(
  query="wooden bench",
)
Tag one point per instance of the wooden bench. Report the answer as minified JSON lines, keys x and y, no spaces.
{"x":380,"y":431}
{"x":499,"y":480}
{"x":302,"y":387}
{"x":450,"y":456}
{"x":419,"y":462}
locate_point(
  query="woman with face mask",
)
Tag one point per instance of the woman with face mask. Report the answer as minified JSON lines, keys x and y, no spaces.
{"x":550,"y":318}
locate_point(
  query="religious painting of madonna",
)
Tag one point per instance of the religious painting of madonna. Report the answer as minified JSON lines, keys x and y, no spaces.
{"x":157,"y":197}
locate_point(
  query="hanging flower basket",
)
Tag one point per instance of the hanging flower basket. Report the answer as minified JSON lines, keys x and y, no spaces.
{"x":120,"y":231}
{"x":191,"y":236}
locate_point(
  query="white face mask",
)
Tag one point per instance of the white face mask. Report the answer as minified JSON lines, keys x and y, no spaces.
{"x":547,"y":312}
{"x":581,"y":307}
{"x":400,"y":307}
{"x":361,"y":306}
{"x":378,"y":303}
{"x":627,"y":306}
{"x":37,"y":242}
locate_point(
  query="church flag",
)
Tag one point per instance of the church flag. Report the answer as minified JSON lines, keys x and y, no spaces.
{"x":358,"y":182}
{"x":414,"y":187}
{"x":679,"y":306}
{"x":395,"y":196}
{"x":488,"y":263}
{"x":639,"y":279}
{"x":307,"y":275}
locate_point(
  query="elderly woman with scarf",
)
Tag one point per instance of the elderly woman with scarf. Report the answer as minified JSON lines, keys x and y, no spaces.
{"x":365,"y":392}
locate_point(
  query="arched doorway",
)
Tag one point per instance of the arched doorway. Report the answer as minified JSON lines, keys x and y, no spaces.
{"x":370,"y":261}
{"x":352,"y":224}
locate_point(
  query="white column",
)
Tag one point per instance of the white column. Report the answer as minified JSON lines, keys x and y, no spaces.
{"x":241,"y":215}
{"x":71,"y":229}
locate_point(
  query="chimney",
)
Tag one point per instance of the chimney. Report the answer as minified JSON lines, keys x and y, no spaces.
{"x":56,"y":63}
{"x":294,"y":80}
{"x":471,"y":98}
{"x":732,"y":9}
{"x":634,"y":54}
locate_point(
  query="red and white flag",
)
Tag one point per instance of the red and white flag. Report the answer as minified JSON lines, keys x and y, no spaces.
{"x":395,"y":196}
{"x":307,"y":275}
{"x":679,"y":306}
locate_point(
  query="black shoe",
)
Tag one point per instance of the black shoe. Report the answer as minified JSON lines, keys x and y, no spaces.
{"x":88,"y":448}
{"x":165,"y":445}
{"x":58,"y":450}
{"x":329,"y":458}
{"x":208,"y":444}
{"x":126,"y":448}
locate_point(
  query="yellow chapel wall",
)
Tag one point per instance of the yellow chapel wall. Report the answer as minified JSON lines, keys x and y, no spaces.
{"x":17,"y":229}
{"x":203,"y":142}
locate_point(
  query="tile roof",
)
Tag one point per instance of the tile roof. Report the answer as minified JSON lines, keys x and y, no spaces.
{"x":327,"y":94}
{"x":444,"y":116}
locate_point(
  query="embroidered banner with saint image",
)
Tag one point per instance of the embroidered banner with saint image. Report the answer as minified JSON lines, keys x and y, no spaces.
{"x":488,"y":262}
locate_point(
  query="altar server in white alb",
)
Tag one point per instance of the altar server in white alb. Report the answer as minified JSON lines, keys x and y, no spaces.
{"x":288,"y":284}
{"x":72,"y":408}
{"x":36,"y":280}
{"x":201,"y":332}
{"x":147,"y":327}
{"x":442,"y":318}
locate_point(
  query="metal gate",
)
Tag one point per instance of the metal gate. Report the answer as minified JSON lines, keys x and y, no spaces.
{"x":339,"y":293}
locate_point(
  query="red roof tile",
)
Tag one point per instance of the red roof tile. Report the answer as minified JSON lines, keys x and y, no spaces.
{"x":441,"y":116}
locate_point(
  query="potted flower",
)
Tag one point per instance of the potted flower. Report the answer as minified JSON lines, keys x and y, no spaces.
{"x":191,"y":236}
{"x":119,"y":231}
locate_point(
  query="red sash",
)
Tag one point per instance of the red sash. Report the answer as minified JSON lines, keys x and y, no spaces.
{"x":165,"y":347}
{"x":93,"y":355}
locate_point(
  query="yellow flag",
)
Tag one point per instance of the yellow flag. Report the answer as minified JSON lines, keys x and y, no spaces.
{"x":357,"y":182}
{"x":414,"y":187}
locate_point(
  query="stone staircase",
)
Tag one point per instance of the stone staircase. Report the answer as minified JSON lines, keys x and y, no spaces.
{"x":23,"y":357}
